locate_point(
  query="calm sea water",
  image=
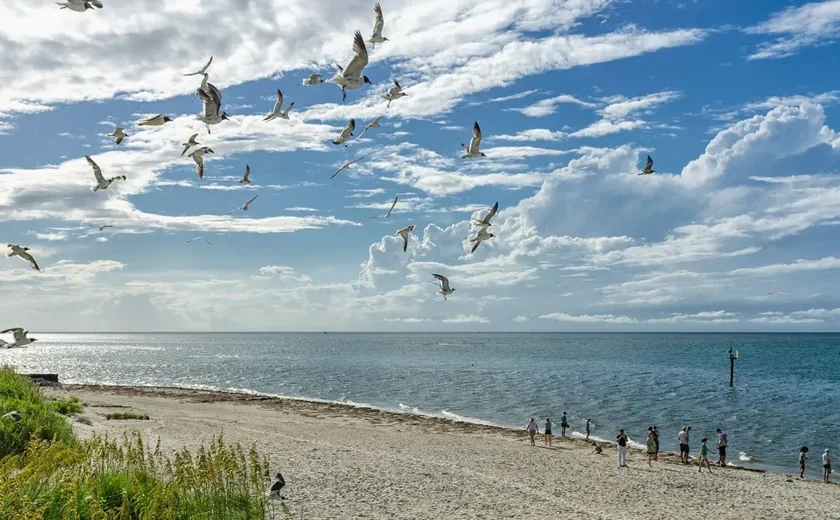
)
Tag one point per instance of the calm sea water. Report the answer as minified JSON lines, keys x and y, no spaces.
{"x":787,"y":386}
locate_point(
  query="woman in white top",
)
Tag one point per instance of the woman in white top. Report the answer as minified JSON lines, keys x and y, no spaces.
{"x":533,"y":429}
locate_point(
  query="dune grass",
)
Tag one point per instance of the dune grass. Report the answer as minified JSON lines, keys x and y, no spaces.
{"x":126,"y":416}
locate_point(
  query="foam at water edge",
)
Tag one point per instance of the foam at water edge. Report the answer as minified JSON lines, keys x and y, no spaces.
{"x":745,"y":457}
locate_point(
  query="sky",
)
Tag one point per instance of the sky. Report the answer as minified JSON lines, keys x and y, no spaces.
{"x":737,"y":102}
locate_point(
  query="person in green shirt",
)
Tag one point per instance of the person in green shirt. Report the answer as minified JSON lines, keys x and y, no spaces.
{"x":704,"y":455}
{"x":548,"y":431}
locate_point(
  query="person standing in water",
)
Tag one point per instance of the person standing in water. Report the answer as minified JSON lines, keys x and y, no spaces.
{"x":826,"y":466}
{"x":723,"y":442}
{"x":704,"y":455}
{"x":533,"y":429}
{"x":802,"y":452}
{"x":548,"y":431}
{"x":563,"y":425}
{"x":588,"y":425}
{"x":622,"y":449}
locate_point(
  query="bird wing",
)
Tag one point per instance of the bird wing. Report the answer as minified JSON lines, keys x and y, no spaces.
{"x":245,"y":207}
{"x":476,"y":140}
{"x":348,"y":130}
{"x":15,"y":331}
{"x":404,"y":235}
{"x":492,"y":213}
{"x":119,"y":139}
{"x":477,"y":243}
{"x":32,"y":263}
{"x":97,"y":171}
{"x":211,"y":109}
{"x":649,"y":163}
{"x":288,"y":108}
{"x":247,"y":172}
{"x":444,"y":281}
{"x":359,"y":60}
{"x":278,"y":105}
{"x":199,"y":164}
{"x":149,"y":120}
{"x":392,"y":206}
{"x":379,"y":24}
{"x":216,"y":93}
{"x":399,"y":88}
{"x":96,"y":3}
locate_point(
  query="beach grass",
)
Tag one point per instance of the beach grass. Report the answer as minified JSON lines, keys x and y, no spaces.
{"x":126,"y":416}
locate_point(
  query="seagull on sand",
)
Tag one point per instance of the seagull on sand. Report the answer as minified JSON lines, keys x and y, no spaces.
{"x":443,"y":283}
{"x":13,"y":415}
{"x":479,"y":238}
{"x":648,"y":167}
{"x":471,"y":151}
{"x":101,"y":182}
{"x":190,"y":143}
{"x":202,"y":70}
{"x":198,"y":157}
{"x":346,"y":134}
{"x":21,"y":340}
{"x":22,"y":252}
{"x":372,"y":124}
{"x":386,"y":215}
{"x":404,"y":233}
{"x":485,"y":222}
{"x":394,"y":93}
{"x":350,"y":76}
{"x":118,"y":134}
{"x":278,"y":109}
{"x":247,"y":178}
{"x":244,"y":207}
{"x":312,"y":80}
{"x":199,"y":238}
{"x":378,"y":25}
{"x":80,"y":6}
{"x":276,"y":486}
{"x":346,"y":165}
{"x":211,"y":96}
{"x":158,"y":120}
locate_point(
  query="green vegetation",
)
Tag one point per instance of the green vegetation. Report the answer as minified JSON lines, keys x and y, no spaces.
{"x":46,"y":473}
{"x":126,"y":416}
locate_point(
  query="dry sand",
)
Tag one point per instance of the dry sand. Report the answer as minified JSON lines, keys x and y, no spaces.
{"x":342,"y":462}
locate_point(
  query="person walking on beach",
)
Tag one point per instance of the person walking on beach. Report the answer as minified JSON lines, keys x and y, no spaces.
{"x":682,"y":438}
{"x":563,"y":425}
{"x":656,"y":442}
{"x":548,"y":431}
{"x":588,"y":425}
{"x":723,"y":442}
{"x":826,"y":466}
{"x":802,"y":452}
{"x":533,"y":429}
{"x":651,"y":446}
{"x":622,"y":449}
{"x":704,"y":455}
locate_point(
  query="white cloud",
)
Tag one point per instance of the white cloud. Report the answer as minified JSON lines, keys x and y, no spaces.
{"x":797,"y":266}
{"x":809,"y":25}
{"x":464,"y":318}
{"x":587,"y":318}
{"x":548,"y":106}
{"x":617,"y":110}
{"x":700,"y":317}
{"x":534,"y":134}
{"x":520,"y":319}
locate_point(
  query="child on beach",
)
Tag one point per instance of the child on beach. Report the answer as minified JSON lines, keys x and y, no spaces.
{"x":651,"y":446}
{"x":563,"y":425}
{"x":598,"y":449}
{"x":826,"y":466}
{"x":547,"y":431}
{"x":704,"y":455}
{"x":533,"y":429}
{"x":802,"y":451}
{"x":588,"y":422}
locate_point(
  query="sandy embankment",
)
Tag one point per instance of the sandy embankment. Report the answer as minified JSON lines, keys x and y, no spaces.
{"x":342,"y":462}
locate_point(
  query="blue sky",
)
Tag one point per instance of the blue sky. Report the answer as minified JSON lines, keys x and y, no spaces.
{"x":736,"y":101}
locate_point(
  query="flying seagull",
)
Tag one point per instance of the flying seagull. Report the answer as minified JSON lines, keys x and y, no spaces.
{"x":202,"y":70}
{"x":244,"y":207}
{"x":346,"y":165}
{"x":312,"y":80}
{"x":101,"y":182}
{"x":485,"y":222}
{"x":276,"y":486}
{"x":118,"y":134}
{"x":404,"y":233}
{"x":378,"y":25}
{"x":350,"y":76}
{"x":346,"y":134}
{"x":278,"y":109}
{"x":443,"y":283}
{"x":199,"y":238}
{"x":211,"y":97}
{"x":23,"y":254}
{"x":394,"y":93}
{"x":198,"y":157}
{"x":479,"y":238}
{"x":80,"y":6}
{"x":13,"y":415}
{"x":648,"y":167}
{"x":190,"y":143}
{"x":471,"y":151}
{"x":247,"y":178}
{"x":158,"y":120}
{"x":386,"y":215}
{"x":21,"y":340}
{"x":104,"y":227}
{"x":372,"y":124}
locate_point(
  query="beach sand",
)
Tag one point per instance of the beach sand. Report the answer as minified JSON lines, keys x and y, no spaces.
{"x":342,"y":462}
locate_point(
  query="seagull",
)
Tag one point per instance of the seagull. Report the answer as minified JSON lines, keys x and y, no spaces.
{"x":104,"y":227}
{"x":443,"y":283}
{"x":278,"y":109}
{"x":202,"y":70}
{"x":119,"y":134}
{"x":471,"y":151}
{"x":372,"y":124}
{"x":21,"y":252}
{"x":350,"y":76}
{"x":346,"y":165}
{"x":199,"y":238}
{"x":404,"y":233}
{"x":276,"y":486}
{"x":198,"y":157}
{"x":312,"y":80}
{"x":479,"y":238}
{"x":101,"y":182}
{"x":244,"y":207}
{"x":394,"y":93}
{"x":247,"y":178}
{"x":190,"y":143}
{"x":212,"y":113}
{"x":158,"y":120}
{"x":376,"y":36}
{"x":648,"y":167}
{"x":386,"y":215}
{"x":485,"y":222}
{"x":346,"y":133}
{"x":20,"y":337}
{"x":14,"y":415}
{"x":80,"y":6}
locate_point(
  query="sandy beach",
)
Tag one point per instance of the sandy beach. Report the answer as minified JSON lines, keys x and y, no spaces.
{"x":342,"y":462}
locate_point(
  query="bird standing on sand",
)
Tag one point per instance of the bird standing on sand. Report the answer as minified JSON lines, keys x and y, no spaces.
{"x":312,"y":80}
{"x":277,"y":485}
{"x":485,"y":222}
{"x":346,"y":134}
{"x":346,"y":165}
{"x":648,"y":167}
{"x":471,"y":151}
{"x":244,"y":207}
{"x":395,"y":92}
{"x":393,"y":204}
{"x":247,"y":178}
{"x":350,"y":76}
{"x":378,"y":25}
{"x":278,"y":109}
{"x":118,"y":134}
{"x":443,"y":283}
{"x":404,"y":233}
{"x":479,"y":238}
{"x":202,"y":70}
{"x":158,"y":120}
{"x":23,"y":254}
{"x":80,"y":6}
{"x":372,"y":124}
{"x":190,"y":143}
{"x":101,"y":182}
{"x":198,"y":157}
{"x":20,"y":335}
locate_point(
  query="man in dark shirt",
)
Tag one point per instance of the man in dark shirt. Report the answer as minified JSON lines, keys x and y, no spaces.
{"x":622,"y":449}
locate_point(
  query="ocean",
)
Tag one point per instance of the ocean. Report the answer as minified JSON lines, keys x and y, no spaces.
{"x":786,"y":394}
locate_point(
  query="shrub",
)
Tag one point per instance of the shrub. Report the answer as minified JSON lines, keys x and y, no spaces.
{"x":126,"y":416}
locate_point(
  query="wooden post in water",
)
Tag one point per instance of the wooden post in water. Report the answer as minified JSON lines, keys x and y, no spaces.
{"x":732,"y":358}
